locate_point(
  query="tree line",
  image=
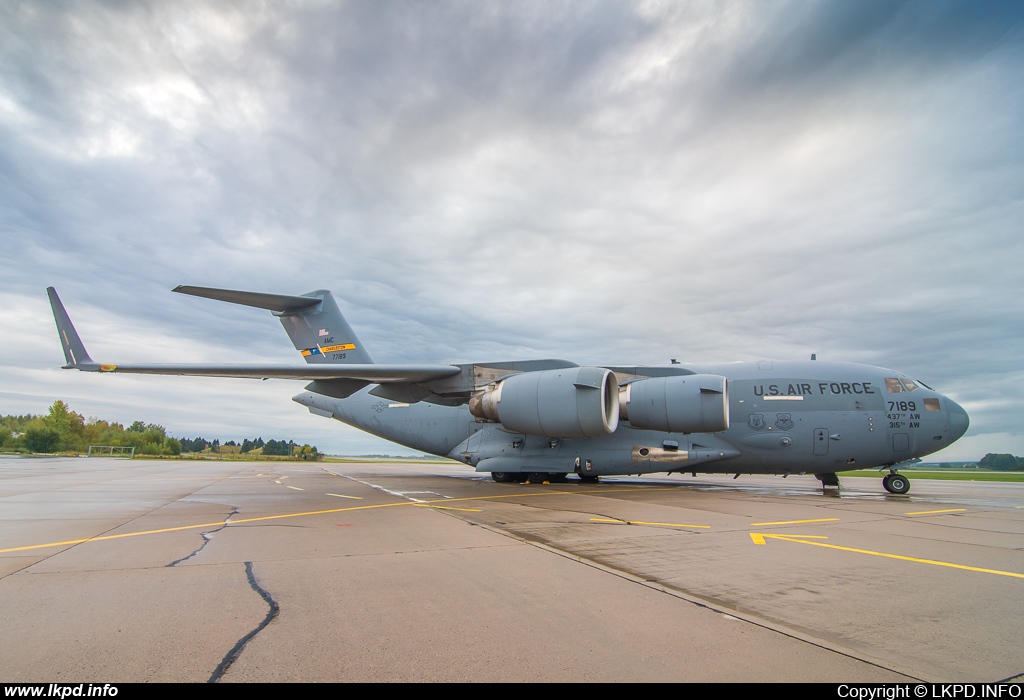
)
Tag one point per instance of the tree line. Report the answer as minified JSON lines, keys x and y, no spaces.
{"x":62,"y":430}
{"x":1002,"y":463}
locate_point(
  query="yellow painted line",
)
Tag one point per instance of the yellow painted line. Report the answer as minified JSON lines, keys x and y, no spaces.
{"x":294,"y":487}
{"x":341,"y":495}
{"x":240,"y":521}
{"x":640,"y":522}
{"x":277,"y":481}
{"x":798,"y":522}
{"x":933,"y":512}
{"x":109,"y":537}
{"x":759,"y":538}
{"x":427,"y":505}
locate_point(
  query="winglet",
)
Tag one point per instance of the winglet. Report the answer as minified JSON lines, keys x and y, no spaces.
{"x":74,"y":351}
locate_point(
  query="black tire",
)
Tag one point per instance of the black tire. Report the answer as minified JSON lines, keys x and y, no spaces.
{"x":503,"y":477}
{"x":896,"y":483}
{"x":537,"y":477}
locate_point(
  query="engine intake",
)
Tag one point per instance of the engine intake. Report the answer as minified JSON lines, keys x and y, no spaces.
{"x":571,"y":402}
{"x":692,"y":403}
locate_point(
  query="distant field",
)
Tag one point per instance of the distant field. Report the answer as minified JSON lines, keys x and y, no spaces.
{"x":946,"y":475}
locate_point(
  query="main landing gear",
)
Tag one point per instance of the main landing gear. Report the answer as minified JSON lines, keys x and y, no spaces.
{"x":531,"y":477}
{"x":896,"y":483}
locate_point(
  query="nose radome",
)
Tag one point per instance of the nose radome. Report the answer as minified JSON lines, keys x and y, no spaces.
{"x":958,"y":419}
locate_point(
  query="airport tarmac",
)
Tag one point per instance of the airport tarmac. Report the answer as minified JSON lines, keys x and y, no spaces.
{"x":115,"y":570}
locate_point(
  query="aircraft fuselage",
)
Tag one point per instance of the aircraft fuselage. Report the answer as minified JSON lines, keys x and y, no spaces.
{"x":785,"y":417}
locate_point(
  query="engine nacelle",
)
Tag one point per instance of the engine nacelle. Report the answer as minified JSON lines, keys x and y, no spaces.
{"x":571,"y":402}
{"x":689,"y":403}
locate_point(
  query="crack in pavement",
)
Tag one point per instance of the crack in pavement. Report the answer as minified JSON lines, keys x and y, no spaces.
{"x":206,"y":538}
{"x":236,"y":650}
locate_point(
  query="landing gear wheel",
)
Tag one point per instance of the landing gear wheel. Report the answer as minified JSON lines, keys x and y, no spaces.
{"x":503,"y":477}
{"x":587,"y":479}
{"x":537,"y":477}
{"x":896,"y":483}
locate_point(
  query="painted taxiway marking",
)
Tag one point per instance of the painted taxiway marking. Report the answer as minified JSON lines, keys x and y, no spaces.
{"x":759,"y":537}
{"x":762,"y":537}
{"x":294,"y":487}
{"x":936,"y":512}
{"x":615,"y":521}
{"x":427,"y":505}
{"x":240,"y":521}
{"x":797,"y":522}
{"x":341,"y":495}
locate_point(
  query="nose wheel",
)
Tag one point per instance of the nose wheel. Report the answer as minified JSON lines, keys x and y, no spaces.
{"x":896,"y":483}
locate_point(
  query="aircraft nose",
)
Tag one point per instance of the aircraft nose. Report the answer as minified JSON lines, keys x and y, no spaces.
{"x":958,"y":420}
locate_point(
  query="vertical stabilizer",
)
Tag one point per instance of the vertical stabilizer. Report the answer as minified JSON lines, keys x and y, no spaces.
{"x":74,"y":350}
{"x":322,"y":334}
{"x":313,"y":321}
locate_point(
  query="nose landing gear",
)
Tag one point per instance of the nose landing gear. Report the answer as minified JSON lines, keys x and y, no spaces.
{"x":896,"y":483}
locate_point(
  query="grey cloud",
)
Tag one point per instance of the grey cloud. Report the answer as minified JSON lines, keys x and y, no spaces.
{"x":626,"y":182}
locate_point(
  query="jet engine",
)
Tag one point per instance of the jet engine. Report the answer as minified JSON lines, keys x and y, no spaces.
{"x":571,"y":402}
{"x":691,"y":403}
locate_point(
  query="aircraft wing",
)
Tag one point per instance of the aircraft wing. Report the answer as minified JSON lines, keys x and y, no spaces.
{"x":377,"y":374}
{"x":78,"y":358}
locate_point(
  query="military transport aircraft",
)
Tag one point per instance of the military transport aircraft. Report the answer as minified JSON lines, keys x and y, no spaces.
{"x":540,"y":420}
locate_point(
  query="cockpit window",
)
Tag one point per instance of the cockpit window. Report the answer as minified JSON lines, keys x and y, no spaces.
{"x":931,"y":405}
{"x":910,"y":385}
{"x":893,"y":386}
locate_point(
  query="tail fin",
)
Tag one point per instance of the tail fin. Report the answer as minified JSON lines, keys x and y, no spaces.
{"x":74,"y":350}
{"x":313,"y":321}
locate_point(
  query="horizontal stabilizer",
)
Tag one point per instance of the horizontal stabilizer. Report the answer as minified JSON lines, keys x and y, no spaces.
{"x":272,"y":302}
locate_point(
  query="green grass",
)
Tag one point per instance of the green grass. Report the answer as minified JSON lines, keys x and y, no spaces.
{"x":946,"y":475}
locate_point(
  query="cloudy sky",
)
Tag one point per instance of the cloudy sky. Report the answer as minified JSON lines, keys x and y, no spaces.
{"x":596,"y":181}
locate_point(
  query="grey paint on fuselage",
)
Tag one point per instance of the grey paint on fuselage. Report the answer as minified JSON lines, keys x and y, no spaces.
{"x":786,"y":417}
